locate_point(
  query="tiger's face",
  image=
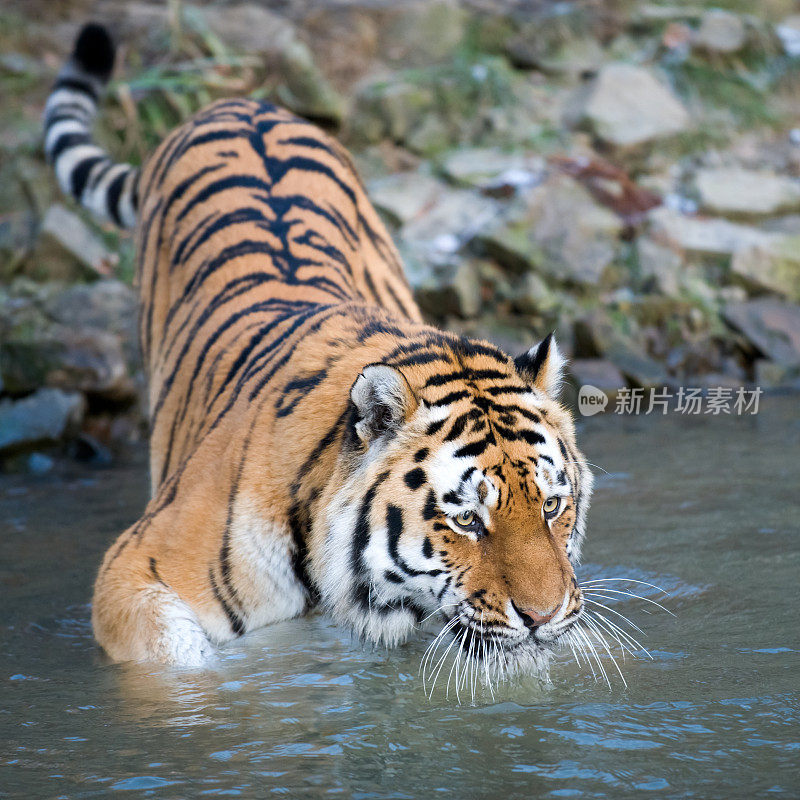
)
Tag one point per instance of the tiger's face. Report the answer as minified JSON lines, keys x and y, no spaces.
{"x":462,"y":496}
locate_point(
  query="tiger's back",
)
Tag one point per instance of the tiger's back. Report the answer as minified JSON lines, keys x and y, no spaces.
{"x":252,"y":222}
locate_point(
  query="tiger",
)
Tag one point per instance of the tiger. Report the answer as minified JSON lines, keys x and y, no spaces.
{"x":314,"y":443}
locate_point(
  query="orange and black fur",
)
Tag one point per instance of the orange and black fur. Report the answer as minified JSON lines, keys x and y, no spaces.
{"x":312,"y":440}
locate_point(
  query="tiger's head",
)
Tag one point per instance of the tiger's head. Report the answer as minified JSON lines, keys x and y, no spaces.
{"x":459,"y":492}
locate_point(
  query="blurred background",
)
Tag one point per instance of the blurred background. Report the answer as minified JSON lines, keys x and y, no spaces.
{"x":625,"y":173}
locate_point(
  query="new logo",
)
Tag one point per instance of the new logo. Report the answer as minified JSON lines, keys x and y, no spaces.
{"x":591,"y":400}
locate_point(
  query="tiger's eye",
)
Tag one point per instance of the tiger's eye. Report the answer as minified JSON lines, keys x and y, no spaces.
{"x":465,"y":518}
{"x":551,"y":505}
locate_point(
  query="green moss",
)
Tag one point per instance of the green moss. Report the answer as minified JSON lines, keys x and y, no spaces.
{"x":744,"y":93}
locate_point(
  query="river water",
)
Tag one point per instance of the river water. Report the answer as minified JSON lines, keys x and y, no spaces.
{"x":706,"y":508}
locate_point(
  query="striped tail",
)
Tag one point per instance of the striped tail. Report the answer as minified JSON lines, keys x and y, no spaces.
{"x":83,"y":169}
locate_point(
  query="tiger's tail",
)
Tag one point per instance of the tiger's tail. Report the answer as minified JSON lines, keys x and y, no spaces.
{"x":84,"y":169}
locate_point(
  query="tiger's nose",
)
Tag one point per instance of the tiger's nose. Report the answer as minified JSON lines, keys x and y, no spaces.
{"x":534,"y":619}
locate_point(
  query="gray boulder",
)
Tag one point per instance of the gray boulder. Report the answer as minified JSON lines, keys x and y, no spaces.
{"x":771,"y":325}
{"x":721,"y":32}
{"x":745,"y":192}
{"x":773,"y":267}
{"x":44,"y":416}
{"x":558,"y":230}
{"x":627,"y":105}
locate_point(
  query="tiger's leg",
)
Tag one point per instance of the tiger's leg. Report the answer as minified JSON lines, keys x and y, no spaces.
{"x":136,"y":616}
{"x":207,"y":562}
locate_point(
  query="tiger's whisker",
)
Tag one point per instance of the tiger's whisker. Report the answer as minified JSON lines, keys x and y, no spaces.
{"x":624,"y":580}
{"x":598,"y":593}
{"x":434,"y":646}
{"x":612,"y":611}
{"x":433,"y":613}
{"x":439,"y":664}
{"x":624,"y":634}
{"x":456,"y":660}
{"x":589,"y":464}
{"x":635,"y":596}
{"x":590,"y":623}
{"x":615,"y":636}
{"x":579,"y":630}
{"x":430,"y":654}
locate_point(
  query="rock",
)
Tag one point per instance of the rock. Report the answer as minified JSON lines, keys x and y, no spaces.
{"x":413,"y":33}
{"x":84,"y":360}
{"x":430,"y":137}
{"x":17,"y":236}
{"x":37,"y":350}
{"x":419,"y":32}
{"x":720,"y":32}
{"x":571,"y":59}
{"x":558,"y":230}
{"x":40,"y":463}
{"x":771,"y":325}
{"x":746,"y":192}
{"x":430,"y":109}
{"x":304,"y":88}
{"x":597,"y":372}
{"x":627,"y":105}
{"x":89,"y":450}
{"x":788,"y":31}
{"x":63,"y":231}
{"x":597,"y":335}
{"x":452,"y":289}
{"x":252,"y":29}
{"x":652,"y":13}
{"x":22,"y":65}
{"x":107,"y":304}
{"x":403,"y":197}
{"x":661,"y":268}
{"x":769,"y":375}
{"x":45,"y":415}
{"x":455,"y":217}
{"x":704,"y":237}
{"x":390,"y":107}
{"x":533,"y":296}
{"x":492,"y":169}
{"x":773,"y":267}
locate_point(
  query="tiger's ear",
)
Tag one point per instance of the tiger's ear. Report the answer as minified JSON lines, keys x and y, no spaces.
{"x":543,"y":366}
{"x":383,"y":401}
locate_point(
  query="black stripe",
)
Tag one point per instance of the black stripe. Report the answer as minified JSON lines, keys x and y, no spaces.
{"x":417,"y":359}
{"x":451,"y":397}
{"x":300,"y":525}
{"x":80,"y":175}
{"x":475,"y":448}
{"x":113,"y":194}
{"x":457,"y":428}
{"x":235,"y":621}
{"x":430,"y":510}
{"x":394,"y":526}
{"x":362,"y":530}
{"x":435,"y":427}
{"x":78,"y":84}
{"x":65,"y":142}
{"x":496,"y":390}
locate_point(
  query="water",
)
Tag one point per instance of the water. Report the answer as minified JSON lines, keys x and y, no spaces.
{"x":707,"y":508}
